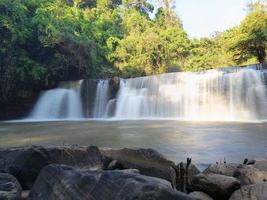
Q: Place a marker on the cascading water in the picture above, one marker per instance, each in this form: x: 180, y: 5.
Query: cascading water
x: 212, y: 95
x: 231, y: 94
x: 59, y: 103
x: 101, y: 99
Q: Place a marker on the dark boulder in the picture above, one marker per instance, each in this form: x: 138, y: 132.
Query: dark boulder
x: 200, y: 196
x: 25, y: 194
x: 251, y: 192
x: 184, y: 175
x: 10, y: 188
x: 134, y: 171
x: 57, y: 182
x: 193, y: 170
x: 26, y: 163
x: 219, y: 187
x: 147, y: 161
x: 114, y: 165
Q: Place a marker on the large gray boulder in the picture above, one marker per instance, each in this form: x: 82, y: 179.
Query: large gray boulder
x: 61, y: 182
x: 147, y: 161
x: 219, y: 187
x: 10, y: 188
x: 26, y: 163
x: 260, y: 164
x: 251, y: 192
x: 227, y: 169
x: 248, y: 174
x: 77, y: 156
x: 193, y: 170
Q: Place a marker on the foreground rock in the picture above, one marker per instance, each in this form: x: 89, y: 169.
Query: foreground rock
x: 63, y: 182
x: 185, y: 172
x: 227, y: 169
x: 200, y: 196
x: 248, y: 174
x: 260, y: 165
x: 217, y: 186
x: 26, y: 163
x: 10, y: 188
x: 251, y: 192
x: 25, y: 194
x: 147, y: 161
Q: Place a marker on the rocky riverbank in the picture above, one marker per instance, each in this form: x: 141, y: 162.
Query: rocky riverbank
x: 78, y: 172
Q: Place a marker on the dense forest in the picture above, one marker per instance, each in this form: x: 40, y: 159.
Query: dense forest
x: 47, y: 41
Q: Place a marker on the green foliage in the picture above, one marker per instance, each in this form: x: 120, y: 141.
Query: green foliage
x: 149, y: 46
x: 47, y: 41
x: 16, y: 62
x: 250, y: 39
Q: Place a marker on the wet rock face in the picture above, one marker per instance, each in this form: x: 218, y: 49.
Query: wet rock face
x: 63, y: 182
x: 26, y: 163
x: 147, y: 161
x: 10, y: 188
x: 217, y: 186
x: 251, y: 192
x: 114, y: 86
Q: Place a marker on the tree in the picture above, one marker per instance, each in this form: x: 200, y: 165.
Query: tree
x: 44, y: 42
x: 250, y: 39
x: 150, y: 46
x: 17, y: 64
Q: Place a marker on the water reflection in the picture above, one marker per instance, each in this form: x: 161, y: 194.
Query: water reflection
x: 205, y: 142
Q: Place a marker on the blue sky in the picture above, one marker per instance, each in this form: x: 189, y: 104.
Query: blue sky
x: 202, y: 17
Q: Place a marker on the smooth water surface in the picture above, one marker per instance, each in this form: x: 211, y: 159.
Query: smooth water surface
x: 205, y: 142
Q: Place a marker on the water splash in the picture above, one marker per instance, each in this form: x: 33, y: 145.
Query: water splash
x: 59, y: 103
x: 215, y: 95
x: 101, y: 99
x: 231, y: 94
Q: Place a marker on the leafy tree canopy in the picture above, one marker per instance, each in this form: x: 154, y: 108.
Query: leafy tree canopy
x: 44, y: 42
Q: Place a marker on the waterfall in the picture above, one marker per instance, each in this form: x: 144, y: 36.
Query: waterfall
x: 230, y: 94
x: 60, y: 103
x: 223, y: 95
x: 101, y: 99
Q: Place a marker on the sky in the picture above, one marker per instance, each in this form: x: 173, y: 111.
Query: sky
x: 201, y: 18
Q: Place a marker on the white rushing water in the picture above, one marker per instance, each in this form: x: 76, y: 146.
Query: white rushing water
x: 231, y: 94
x: 59, y: 103
x: 213, y: 95
x: 101, y: 99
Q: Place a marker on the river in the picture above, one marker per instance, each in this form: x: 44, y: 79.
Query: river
x: 204, y: 142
